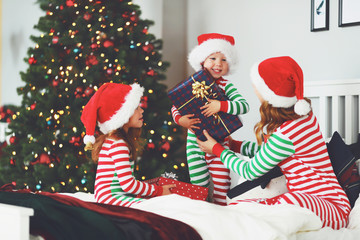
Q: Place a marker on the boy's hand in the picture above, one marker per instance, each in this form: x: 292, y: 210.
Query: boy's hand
x: 211, y: 108
x: 167, y: 188
x: 188, y: 122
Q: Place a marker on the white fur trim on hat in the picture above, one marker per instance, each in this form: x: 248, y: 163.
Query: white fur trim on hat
x: 302, y: 107
x: 122, y: 116
x: 89, y: 139
x: 267, y: 93
x: 199, y: 53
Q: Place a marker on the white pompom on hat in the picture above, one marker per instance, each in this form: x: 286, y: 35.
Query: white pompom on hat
x: 110, y: 108
x: 210, y: 43
x: 279, y: 81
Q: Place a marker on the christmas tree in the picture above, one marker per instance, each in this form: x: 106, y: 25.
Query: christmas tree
x: 84, y: 44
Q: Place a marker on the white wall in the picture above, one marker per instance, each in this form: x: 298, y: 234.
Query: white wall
x: 17, y: 20
x: 264, y: 28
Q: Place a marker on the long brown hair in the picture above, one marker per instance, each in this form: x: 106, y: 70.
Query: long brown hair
x: 272, y: 118
x: 132, y: 139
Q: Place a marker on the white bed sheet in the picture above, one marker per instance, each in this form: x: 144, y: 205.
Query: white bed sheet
x: 249, y: 220
x: 246, y: 221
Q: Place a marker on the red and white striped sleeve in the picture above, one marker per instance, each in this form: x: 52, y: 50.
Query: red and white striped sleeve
x: 175, y: 114
x: 119, y: 152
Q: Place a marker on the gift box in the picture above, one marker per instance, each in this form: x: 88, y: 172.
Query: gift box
x: 182, y: 188
x: 189, y: 95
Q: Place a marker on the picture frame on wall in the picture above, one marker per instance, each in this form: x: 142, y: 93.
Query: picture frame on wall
x: 349, y: 13
x: 319, y: 15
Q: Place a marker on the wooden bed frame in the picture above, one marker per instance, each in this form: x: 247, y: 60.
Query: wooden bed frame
x: 337, y: 107
x: 335, y: 103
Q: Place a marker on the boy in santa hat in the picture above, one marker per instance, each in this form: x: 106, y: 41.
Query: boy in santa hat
x: 115, y: 109
x: 294, y: 143
x: 217, y: 54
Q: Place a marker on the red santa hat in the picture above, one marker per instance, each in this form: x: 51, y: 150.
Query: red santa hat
x: 110, y: 107
x: 279, y: 80
x: 210, y: 43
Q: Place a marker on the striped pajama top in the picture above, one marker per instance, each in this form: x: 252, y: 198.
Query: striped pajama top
x: 115, y: 183
x: 299, y: 149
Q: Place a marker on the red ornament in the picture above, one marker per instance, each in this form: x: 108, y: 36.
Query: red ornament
x: 145, y: 30
x: 125, y: 15
x: 69, y: 3
x: 148, y: 48
x: 151, y: 145
x: 87, y: 16
x: 91, y: 60
x: 134, y: 18
x: 79, y: 89
x: 89, y: 91
x: 12, y: 140
x: 42, y: 159
x: 55, y: 83
x: 12, y: 161
x: 93, y: 46
x: 75, y: 141
x: 165, y: 146
x: 32, y: 60
x: 55, y: 40
x: 109, y: 71
x: 108, y: 43
x: 33, y: 106
x: 151, y: 72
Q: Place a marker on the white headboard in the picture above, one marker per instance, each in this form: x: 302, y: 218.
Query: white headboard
x: 337, y: 107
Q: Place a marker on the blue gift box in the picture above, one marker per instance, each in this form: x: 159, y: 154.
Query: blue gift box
x: 189, y: 95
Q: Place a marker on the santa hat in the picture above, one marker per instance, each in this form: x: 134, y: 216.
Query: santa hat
x: 279, y: 80
x: 110, y: 107
x: 210, y: 43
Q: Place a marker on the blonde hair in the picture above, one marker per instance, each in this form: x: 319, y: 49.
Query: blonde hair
x: 271, y: 118
x: 132, y: 139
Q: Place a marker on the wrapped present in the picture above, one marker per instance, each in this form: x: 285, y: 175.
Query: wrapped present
x: 182, y: 188
x: 194, y: 92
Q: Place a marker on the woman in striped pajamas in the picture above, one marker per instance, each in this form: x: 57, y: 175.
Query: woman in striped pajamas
x: 294, y: 143
x: 216, y: 53
x: 115, y: 107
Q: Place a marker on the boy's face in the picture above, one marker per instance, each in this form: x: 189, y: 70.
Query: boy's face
x: 217, y: 65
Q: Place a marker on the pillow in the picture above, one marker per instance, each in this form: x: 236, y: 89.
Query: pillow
x: 270, y: 185
x: 345, y: 169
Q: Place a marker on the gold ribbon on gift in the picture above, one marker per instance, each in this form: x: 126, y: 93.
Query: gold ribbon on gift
x: 201, y: 90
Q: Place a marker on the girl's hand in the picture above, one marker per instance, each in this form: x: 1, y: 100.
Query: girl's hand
x: 187, y: 121
x: 206, y: 146
x: 211, y: 108
x: 167, y: 188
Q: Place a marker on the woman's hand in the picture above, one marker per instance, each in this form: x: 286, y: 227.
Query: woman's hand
x: 167, y: 188
x: 187, y: 121
x: 211, y: 108
x: 206, y: 146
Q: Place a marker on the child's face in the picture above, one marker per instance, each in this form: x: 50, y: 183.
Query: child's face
x: 136, y: 120
x: 217, y: 65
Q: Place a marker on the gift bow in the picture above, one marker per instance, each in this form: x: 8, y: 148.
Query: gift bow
x: 200, y: 90
x: 170, y: 175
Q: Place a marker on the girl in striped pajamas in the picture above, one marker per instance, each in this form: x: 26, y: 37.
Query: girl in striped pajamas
x: 217, y: 54
x: 294, y: 142
x: 115, y: 107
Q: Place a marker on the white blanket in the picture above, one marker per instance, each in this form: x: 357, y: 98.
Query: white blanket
x: 248, y: 220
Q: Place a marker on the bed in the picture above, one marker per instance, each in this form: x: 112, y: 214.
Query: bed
x: 336, y: 104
